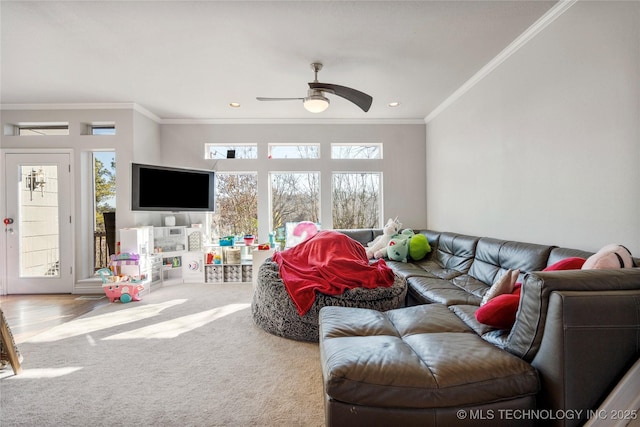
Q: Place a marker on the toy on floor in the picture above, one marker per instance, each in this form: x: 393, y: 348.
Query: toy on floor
x: 123, y: 288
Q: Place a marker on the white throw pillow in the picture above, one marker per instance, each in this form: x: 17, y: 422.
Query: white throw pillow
x: 504, y: 285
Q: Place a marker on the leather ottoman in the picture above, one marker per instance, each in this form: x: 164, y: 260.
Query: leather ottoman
x: 379, y: 368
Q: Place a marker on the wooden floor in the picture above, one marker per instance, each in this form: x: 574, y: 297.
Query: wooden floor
x: 28, y: 315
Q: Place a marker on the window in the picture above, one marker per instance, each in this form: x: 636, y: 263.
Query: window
x: 294, y: 151
x: 356, y: 151
x: 104, y: 192
x: 294, y: 192
x: 225, y: 151
x: 38, y: 129
x: 236, y: 204
x: 295, y: 197
x: 356, y: 200
x: 102, y: 130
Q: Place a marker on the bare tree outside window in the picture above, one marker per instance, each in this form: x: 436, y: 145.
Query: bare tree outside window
x: 356, y: 200
x: 294, y: 151
x: 236, y: 204
x: 295, y: 196
x: 356, y: 151
x: 356, y: 197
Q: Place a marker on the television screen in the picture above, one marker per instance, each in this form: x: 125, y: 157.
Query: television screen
x: 161, y: 188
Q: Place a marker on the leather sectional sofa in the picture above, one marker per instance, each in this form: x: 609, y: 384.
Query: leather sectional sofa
x: 432, y: 363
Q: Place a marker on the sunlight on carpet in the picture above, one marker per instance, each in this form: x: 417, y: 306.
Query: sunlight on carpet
x: 104, y: 321
x: 29, y: 374
x: 189, y: 355
x: 176, y: 327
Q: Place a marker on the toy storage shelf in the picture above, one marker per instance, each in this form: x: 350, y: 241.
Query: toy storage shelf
x: 228, y: 264
x: 171, y: 267
x: 170, y: 243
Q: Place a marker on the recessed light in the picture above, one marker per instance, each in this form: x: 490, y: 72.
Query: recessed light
x: 394, y: 104
x: 234, y: 104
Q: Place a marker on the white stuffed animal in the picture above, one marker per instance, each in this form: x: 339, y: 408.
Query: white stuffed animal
x: 377, y: 248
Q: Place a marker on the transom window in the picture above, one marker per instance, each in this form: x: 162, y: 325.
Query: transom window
x: 102, y: 130
x: 356, y: 151
x: 228, y: 151
x: 39, y: 129
x: 294, y: 151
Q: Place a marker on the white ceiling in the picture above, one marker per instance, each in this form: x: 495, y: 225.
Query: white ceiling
x: 189, y: 60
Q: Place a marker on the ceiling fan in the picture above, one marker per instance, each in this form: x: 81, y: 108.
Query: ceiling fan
x: 316, y: 102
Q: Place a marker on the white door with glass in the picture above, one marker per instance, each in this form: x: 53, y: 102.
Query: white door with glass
x: 37, y: 222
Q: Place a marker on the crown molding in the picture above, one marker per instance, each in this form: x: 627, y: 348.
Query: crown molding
x: 84, y: 106
x: 291, y: 121
x: 543, y: 22
x: 74, y: 106
x: 140, y: 109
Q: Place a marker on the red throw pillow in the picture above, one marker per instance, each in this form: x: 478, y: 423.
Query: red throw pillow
x: 500, y: 312
x: 573, y: 263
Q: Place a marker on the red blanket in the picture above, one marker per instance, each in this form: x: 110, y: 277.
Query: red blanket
x: 329, y: 262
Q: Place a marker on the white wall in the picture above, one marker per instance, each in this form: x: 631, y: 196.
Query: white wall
x: 546, y: 148
x: 146, y: 149
x: 402, y: 167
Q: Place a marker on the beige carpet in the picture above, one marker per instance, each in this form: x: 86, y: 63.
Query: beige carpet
x: 186, y: 355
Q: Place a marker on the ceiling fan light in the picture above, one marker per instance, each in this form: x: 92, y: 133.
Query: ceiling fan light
x: 316, y: 103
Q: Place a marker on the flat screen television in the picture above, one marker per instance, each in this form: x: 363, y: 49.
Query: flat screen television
x: 162, y: 188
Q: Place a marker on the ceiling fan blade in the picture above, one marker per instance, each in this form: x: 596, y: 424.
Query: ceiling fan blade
x: 361, y: 99
x: 261, y: 98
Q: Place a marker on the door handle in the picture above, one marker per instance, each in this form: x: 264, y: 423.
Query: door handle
x: 8, y: 221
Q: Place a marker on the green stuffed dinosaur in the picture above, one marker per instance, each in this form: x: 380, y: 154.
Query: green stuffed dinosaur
x: 408, y: 245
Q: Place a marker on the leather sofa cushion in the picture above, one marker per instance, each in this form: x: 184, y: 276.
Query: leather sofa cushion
x: 410, y: 269
x: 404, y: 358
x: 434, y: 268
x: 432, y: 236
x: 455, y: 251
x: 435, y: 290
x: 494, y: 256
x: 466, y: 313
x: 558, y: 254
x: 425, y: 268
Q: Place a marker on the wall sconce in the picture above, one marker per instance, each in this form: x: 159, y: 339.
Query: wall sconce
x: 35, y: 180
